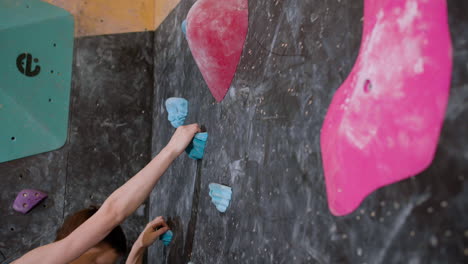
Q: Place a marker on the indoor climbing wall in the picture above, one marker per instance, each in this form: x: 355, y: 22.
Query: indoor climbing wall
x: 265, y: 144
x: 109, y: 129
x: 108, y: 142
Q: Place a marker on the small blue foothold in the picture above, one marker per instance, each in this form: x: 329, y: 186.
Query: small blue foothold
x: 184, y: 27
x: 220, y: 196
x: 177, y: 110
x: 166, y: 238
x: 196, y: 148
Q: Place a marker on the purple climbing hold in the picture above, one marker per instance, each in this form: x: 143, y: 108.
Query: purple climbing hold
x: 27, y: 200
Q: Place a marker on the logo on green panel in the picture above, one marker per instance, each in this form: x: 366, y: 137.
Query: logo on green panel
x: 24, y: 62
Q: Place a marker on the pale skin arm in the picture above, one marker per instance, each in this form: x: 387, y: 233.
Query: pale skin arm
x: 118, y: 206
x: 152, y: 231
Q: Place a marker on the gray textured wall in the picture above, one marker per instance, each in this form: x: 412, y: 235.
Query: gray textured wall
x: 264, y: 142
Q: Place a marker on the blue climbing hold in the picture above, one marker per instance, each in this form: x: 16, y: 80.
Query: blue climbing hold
x: 196, y: 148
x: 177, y: 110
x: 220, y: 196
x: 184, y: 27
x: 166, y: 238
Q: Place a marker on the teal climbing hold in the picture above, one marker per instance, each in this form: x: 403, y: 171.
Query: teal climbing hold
x: 196, y: 148
x: 177, y: 110
x: 166, y: 238
x: 36, y: 52
x: 184, y: 27
x: 220, y: 196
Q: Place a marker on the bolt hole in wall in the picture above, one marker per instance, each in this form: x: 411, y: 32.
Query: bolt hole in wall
x: 13, y: 138
x: 12, y: 229
x: 367, y: 86
x: 26, y: 194
x: 50, y: 100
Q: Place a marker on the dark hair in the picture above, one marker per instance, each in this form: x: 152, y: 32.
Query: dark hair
x: 116, y: 238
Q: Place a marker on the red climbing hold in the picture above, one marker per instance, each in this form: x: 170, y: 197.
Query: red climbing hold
x: 216, y: 32
x: 384, y: 121
x: 27, y: 200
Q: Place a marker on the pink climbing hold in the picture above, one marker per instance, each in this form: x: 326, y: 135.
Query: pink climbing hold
x: 27, y: 199
x: 384, y: 122
x: 216, y: 32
